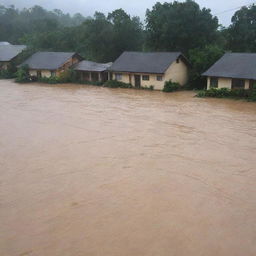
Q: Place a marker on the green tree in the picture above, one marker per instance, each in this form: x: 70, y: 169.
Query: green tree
x: 180, y: 26
x: 202, y: 59
x: 242, y: 31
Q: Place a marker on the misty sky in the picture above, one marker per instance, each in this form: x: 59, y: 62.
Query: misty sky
x: 133, y: 7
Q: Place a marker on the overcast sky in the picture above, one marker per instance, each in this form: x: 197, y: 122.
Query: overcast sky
x: 133, y: 7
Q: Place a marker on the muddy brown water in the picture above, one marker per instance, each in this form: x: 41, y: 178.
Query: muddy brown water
x: 95, y: 171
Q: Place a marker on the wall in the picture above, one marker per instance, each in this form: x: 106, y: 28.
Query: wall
x: 45, y: 73
x: 226, y: 83
x: 177, y: 72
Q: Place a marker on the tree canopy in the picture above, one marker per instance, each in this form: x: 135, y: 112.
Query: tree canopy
x: 174, y: 26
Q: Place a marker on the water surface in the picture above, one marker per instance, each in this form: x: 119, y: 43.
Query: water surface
x: 94, y: 171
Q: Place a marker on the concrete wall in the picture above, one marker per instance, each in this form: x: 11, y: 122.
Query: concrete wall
x: 226, y: 83
x: 177, y: 72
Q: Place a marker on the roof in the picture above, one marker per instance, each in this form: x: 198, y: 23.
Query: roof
x: 8, y: 52
x: 4, y: 43
x: 145, y: 62
x: 234, y: 65
x: 48, y: 60
x: 92, y: 66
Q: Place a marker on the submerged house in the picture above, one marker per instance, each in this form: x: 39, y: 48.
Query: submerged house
x: 47, y: 64
x: 92, y: 71
x: 233, y: 71
x: 144, y: 69
x: 9, y: 53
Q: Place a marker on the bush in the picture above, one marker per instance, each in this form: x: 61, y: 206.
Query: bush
x: 252, y: 96
x: 49, y: 80
x: 117, y: 84
x: 9, y: 72
x: 97, y: 83
x: 150, y: 88
x: 169, y: 86
x: 22, y: 75
x: 227, y: 93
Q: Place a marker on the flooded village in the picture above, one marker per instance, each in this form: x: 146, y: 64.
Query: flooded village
x: 137, y: 152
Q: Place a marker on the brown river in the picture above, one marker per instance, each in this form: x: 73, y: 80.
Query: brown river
x: 93, y: 171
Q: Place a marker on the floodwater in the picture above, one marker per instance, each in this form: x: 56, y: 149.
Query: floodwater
x: 114, y: 172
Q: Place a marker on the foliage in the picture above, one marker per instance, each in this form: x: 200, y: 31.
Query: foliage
x: 180, y: 26
x: 227, y: 93
x: 201, y: 60
x: 116, y: 84
x: 150, y: 88
x: 169, y: 86
x: 22, y: 75
x: 8, y: 73
x: 241, y: 33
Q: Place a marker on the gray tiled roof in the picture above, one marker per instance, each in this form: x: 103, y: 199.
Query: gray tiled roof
x: 234, y: 65
x: 91, y: 66
x: 8, y: 52
x: 48, y: 60
x: 145, y: 62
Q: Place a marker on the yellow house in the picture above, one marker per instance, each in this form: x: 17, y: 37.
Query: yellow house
x: 47, y: 64
x: 9, y: 53
x: 233, y: 71
x: 145, y: 69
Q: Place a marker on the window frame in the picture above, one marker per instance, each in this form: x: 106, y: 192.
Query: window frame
x: 118, y: 76
x: 235, y: 83
x: 145, y: 77
x: 159, y: 78
x: 212, y: 80
x: 53, y: 73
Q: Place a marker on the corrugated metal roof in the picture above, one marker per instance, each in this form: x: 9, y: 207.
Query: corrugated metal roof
x: 234, y: 65
x: 91, y: 66
x: 48, y: 60
x: 145, y: 62
x: 8, y: 52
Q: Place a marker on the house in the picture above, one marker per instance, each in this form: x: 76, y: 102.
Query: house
x: 143, y: 69
x: 4, y: 43
x: 92, y: 71
x: 233, y: 71
x: 47, y: 64
x: 9, y: 53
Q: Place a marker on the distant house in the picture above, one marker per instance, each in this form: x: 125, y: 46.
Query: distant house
x: 4, y: 43
x: 47, y: 64
x: 92, y: 71
x: 143, y: 69
x: 233, y: 71
x: 8, y: 54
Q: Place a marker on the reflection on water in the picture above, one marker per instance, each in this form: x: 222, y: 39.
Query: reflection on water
x: 94, y: 171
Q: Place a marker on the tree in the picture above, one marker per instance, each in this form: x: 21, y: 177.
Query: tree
x: 128, y: 32
x: 180, y: 26
x: 202, y: 59
x: 242, y: 31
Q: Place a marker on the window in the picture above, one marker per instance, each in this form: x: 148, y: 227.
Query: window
x: 145, y: 78
x: 53, y: 73
x: 159, y: 78
x: 214, y: 82
x: 238, y: 83
x: 118, y: 77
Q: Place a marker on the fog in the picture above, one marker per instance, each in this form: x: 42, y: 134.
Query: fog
x: 223, y: 9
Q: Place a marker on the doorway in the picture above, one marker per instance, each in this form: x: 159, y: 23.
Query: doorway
x: 137, y: 81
